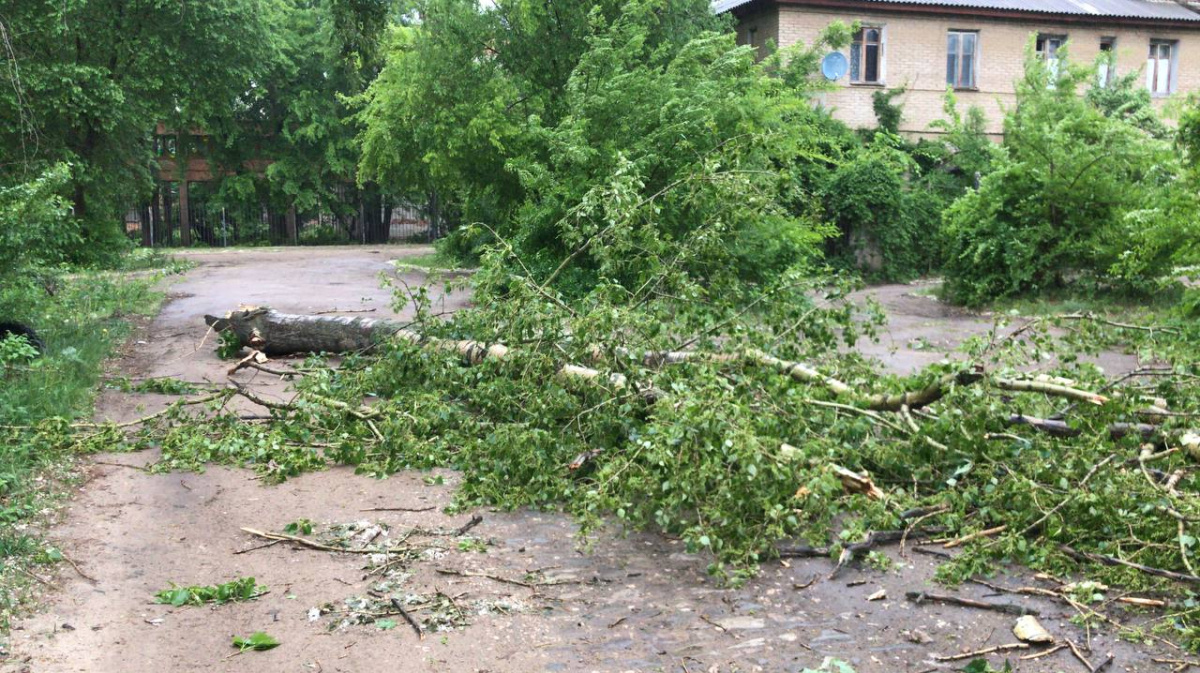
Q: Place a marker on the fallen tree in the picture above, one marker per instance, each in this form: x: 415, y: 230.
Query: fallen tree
x: 750, y: 445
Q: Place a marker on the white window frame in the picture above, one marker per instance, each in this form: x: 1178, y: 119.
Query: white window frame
x: 859, y: 41
x: 957, y: 82
x: 1048, y: 45
x: 1107, y: 71
x: 1162, y: 83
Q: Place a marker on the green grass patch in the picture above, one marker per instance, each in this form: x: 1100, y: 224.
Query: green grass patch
x: 82, y: 317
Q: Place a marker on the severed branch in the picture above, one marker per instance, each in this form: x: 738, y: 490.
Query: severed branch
x: 919, y: 597
x: 1114, y: 561
x: 408, y: 618
x: 986, y: 650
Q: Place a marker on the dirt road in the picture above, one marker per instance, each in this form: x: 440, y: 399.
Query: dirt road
x: 534, y: 600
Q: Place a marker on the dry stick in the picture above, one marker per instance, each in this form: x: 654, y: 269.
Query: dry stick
x: 408, y: 618
x: 272, y: 543
x: 919, y: 597
x: 1182, y: 664
x: 349, y: 310
x: 310, y: 544
x: 1044, y: 653
x: 145, y: 419
x: 475, y: 521
x: 1114, y: 561
x: 1111, y: 323
x: 1079, y: 655
x: 986, y: 650
x: 498, y: 578
x: 974, y: 536
x: 1052, y: 389
x: 920, y: 515
x: 398, y: 509
x: 76, y: 567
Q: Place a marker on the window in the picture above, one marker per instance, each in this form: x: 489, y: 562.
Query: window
x: 1160, y: 67
x: 1047, y: 50
x: 1107, y: 68
x: 752, y: 36
x: 866, y: 56
x: 962, y: 54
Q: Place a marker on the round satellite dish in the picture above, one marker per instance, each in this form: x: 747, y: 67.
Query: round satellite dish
x: 834, y: 66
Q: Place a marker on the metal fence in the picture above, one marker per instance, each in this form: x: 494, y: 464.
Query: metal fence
x: 349, y: 219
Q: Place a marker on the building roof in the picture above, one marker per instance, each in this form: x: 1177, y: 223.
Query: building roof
x: 1153, y: 10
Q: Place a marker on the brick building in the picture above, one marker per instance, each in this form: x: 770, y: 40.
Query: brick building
x: 977, y: 47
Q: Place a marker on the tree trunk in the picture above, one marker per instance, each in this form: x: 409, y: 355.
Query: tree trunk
x: 185, y: 217
x: 277, y: 333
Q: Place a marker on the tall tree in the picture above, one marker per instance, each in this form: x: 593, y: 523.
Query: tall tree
x: 88, y: 80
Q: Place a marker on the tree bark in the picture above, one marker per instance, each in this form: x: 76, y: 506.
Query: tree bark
x: 277, y: 333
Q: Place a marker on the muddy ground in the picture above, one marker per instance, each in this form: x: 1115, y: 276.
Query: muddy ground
x: 632, y: 603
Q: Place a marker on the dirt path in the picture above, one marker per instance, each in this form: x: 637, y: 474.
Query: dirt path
x: 636, y: 603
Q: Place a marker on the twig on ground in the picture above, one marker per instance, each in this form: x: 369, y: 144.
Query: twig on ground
x: 498, y: 578
x: 986, y: 650
x: 1114, y: 561
x: 919, y: 597
x: 398, y: 509
x: 310, y: 544
x: 1044, y: 653
x: 272, y: 543
x: 475, y: 521
x: 76, y: 567
x: 1079, y: 655
x: 408, y: 618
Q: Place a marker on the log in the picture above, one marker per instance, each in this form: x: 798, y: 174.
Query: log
x: 275, y: 333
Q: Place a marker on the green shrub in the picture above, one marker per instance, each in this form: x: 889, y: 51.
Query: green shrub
x: 1077, y: 197
x: 886, y: 227
x: 36, y: 227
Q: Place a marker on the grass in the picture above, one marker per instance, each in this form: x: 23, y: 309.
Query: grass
x: 85, y: 317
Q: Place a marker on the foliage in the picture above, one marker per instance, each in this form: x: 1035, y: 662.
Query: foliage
x: 35, y: 225
x: 982, y: 666
x: 1076, y: 195
x: 884, y: 223
x: 1127, y: 98
x: 241, y: 589
x: 228, y: 346
x: 90, y: 79
x: 81, y: 322
x: 256, y: 642
x: 15, y: 352
x: 515, y: 112
x: 299, y: 527
x: 888, y: 115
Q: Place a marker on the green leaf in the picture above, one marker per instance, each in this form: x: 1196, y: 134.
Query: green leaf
x: 257, y: 641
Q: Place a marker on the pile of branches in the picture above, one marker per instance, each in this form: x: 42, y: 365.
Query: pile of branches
x: 750, y: 427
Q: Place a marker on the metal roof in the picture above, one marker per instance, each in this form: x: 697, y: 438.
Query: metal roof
x: 1160, y: 10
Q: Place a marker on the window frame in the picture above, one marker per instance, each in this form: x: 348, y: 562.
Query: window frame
x: 1108, y: 45
x: 859, y: 42
x: 1060, y: 39
x: 1172, y: 66
x: 957, y: 84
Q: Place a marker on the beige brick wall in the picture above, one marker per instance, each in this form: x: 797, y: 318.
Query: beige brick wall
x: 915, y: 57
x: 765, y: 27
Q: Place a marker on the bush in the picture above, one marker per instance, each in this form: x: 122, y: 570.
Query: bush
x: 36, y: 227
x: 886, y: 227
x: 1077, y: 197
